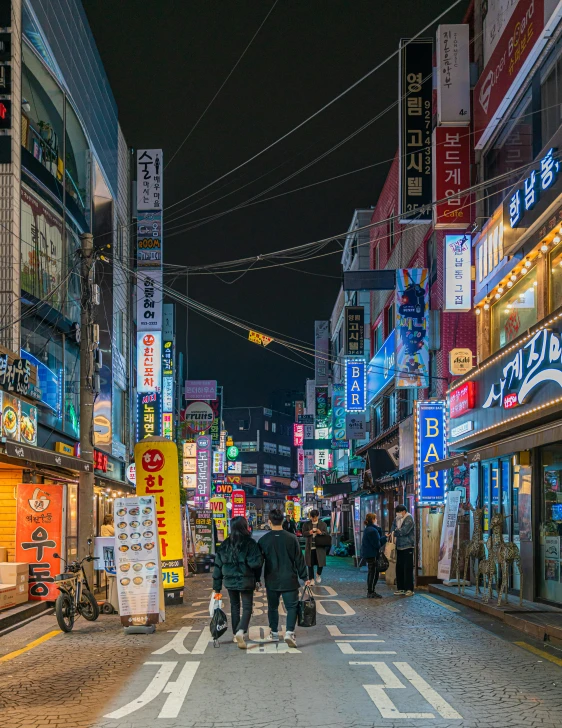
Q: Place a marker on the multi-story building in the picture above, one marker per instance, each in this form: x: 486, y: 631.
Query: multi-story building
x: 64, y: 171
x: 266, y: 462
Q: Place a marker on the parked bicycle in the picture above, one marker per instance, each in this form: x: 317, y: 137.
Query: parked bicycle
x: 75, y: 596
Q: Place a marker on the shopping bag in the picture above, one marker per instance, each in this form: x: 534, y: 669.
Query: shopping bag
x: 213, y: 604
x: 306, y: 615
x: 382, y: 562
x: 390, y: 550
x: 218, y: 625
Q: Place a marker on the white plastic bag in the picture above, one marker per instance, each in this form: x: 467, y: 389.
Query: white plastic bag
x: 214, y: 604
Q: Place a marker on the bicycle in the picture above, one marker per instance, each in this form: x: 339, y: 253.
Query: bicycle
x: 75, y: 596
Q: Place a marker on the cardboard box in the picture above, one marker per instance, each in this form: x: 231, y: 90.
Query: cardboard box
x: 16, y: 574
x: 8, y: 594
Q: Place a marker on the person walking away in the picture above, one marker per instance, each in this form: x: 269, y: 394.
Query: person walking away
x: 371, y: 543
x: 403, y: 531
x: 289, y: 524
x: 314, y: 556
x: 238, y: 563
x: 284, y: 565
x: 107, y: 528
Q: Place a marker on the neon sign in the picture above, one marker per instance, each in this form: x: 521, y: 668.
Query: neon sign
x: 526, y: 197
x: 355, y: 385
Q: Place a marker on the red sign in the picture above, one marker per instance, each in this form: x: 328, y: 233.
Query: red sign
x: 451, y: 175
x: 510, y: 401
x: 153, y: 461
x: 100, y: 461
x: 300, y: 461
x: 238, y: 503
x: 298, y: 435
x: 462, y: 399
x: 39, y: 536
x: 522, y: 31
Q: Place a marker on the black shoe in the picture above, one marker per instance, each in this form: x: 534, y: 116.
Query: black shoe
x: 370, y: 596
x: 376, y: 596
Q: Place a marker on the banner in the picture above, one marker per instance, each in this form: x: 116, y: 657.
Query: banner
x: 149, y: 240
x: 157, y: 474
x: 321, y: 406
x: 415, y: 91
x: 149, y: 415
x: 321, y: 351
x: 137, y: 562
x: 261, y: 339
x: 448, y: 535
x: 203, y: 532
x: 298, y: 434
x: 149, y: 361
x: 39, y: 536
x: 356, y: 426
x: 238, y: 503
x: 412, y: 311
x: 204, y: 466
x: 354, y: 331
x: 382, y: 368
x: 300, y: 461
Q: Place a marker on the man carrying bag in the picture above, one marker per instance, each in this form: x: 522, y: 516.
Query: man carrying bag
x: 284, y: 564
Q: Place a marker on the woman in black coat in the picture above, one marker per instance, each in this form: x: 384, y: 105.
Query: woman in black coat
x: 372, y: 542
x: 238, y: 564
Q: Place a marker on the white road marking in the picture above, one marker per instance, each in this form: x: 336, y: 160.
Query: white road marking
x: 354, y: 642
x: 335, y: 632
x: 321, y: 609
x: 202, y: 642
x: 377, y: 693
x: 348, y: 649
x: 272, y: 648
x: 329, y: 591
x: 257, y: 633
x: 176, y: 643
x: 178, y: 690
x: 152, y: 691
x: 432, y: 696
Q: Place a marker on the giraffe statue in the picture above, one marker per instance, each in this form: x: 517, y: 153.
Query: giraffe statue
x: 503, y: 554
x: 474, y: 549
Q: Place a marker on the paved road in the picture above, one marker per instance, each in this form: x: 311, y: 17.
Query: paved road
x: 391, y: 662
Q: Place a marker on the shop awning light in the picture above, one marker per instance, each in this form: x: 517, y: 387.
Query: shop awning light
x: 513, y: 277
x: 527, y: 263
x: 509, y: 284
x: 477, y: 311
x: 501, y: 290
x: 556, y: 239
x: 523, y: 271
x: 544, y: 248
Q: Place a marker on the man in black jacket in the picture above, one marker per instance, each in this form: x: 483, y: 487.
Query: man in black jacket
x: 284, y: 564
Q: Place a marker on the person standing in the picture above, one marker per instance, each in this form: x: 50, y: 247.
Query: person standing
x: 314, y: 555
x: 371, y: 544
x: 238, y: 563
x: 107, y: 528
x: 289, y: 524
x: 403, y: 531
x: 284, y: 565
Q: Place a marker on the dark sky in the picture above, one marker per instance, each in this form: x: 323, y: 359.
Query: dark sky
x: 165, y: 61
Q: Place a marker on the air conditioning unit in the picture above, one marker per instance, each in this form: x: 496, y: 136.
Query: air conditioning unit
x: 96, y: 333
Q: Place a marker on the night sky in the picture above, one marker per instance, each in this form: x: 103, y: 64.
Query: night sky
x: 166, y: 60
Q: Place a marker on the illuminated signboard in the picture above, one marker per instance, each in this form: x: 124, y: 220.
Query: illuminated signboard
x: 430, y: 446
x: 355, y: 385
x: 458, y: 273
x: 298, y: 435
x: 149, y: 415
x: 203, y: 489
x: 167, y: 425
x: 462, y: 399
x: 149, y: 361
x: 526, y: 197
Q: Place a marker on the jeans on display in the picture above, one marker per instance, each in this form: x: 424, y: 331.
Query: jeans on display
x: 291, y: 602
x: 372, y: 576
x: 247, y: 598
x: 405, y: 569
x: 314, y: 562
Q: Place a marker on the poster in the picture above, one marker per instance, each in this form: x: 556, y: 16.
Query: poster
x: 412, y: 311
x: 39, y: 536
x: 137, y: 562
x: 552, y: 547
x: 11, y: 415
x: 158, y: 475
x: 203, y: 532
x: 445, y: 561
x: 28, y: 423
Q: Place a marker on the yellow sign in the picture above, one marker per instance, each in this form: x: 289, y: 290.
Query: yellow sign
x: 156, y: 460
x: 63, y: 448
x: 260, y: 339
x: 218, y: 506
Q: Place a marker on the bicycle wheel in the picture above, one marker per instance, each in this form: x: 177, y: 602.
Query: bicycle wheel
x: 88, y: 606
x: 64, y: 612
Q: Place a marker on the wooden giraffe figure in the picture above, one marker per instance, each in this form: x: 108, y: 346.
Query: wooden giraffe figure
x: 503, y: 554
x: 474, y: 549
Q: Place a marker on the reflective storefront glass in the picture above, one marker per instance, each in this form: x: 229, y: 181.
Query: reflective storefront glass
x: 515, y: 312
x: 550, y: 528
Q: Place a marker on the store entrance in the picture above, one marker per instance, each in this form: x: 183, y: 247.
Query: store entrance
x: 550, y: 529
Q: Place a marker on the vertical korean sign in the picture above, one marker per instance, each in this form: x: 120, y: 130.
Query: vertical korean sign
x: 238, y: 503
x: 39, y: 536
x: 430, y: 445
x: 204, y: 466
x: 354, y: 330
x: 157, y: 474
x: 415, y: 92
x: 451, y: 175
x: 338, y: 412
x: 458, y: 278
x: 453, y: 69
x: 321, y: 350
x: 412, y: 311
x: 321, y: 406
x: 137, y: 562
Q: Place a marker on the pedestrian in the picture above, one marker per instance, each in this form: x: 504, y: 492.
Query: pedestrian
x: 289, y: 524
x: 373, y: 540
x: 403, y: 532
x: 314, y: 555
x: 284, y: 565
x: 238, y: 563
x: 107, y: 528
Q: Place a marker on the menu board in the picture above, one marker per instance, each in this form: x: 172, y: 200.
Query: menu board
x: 139, y: 576
x: 28, y: 423
x: 11, y: 414
x: 203, y: 532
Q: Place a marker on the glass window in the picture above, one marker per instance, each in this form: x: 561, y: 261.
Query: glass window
x: 266, y: 425
x: 284, y: 471
x: 551, y: 96
x: 270, y: 469
x: 72, y: 388
x: 270, y: 447
x: 555, y: 295
x: 243, y: 424
x: 391, y: 231
x: 486, y: 495
x: 506, y: 494
x: 389, y: 319
x: 249, y: 468
x: 119, y: 414
x: 515, y: 312
x: 550, y: 586
x: 495, y: 481
x: 284, y: 450
x: 378, y: 338
x: 273, y: 427
x: 247, y: 446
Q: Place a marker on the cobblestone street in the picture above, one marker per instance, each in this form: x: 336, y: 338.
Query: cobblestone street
x: 391, y: 662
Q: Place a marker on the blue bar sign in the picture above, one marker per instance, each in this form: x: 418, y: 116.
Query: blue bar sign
x: 355, y: 385
x: 431, y: 445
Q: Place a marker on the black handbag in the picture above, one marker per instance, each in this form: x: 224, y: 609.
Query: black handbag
x: 382, y: 562
x: 322, y: 540
x: 306, y: 614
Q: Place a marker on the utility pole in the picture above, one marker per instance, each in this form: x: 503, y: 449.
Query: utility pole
x: 86, y: 479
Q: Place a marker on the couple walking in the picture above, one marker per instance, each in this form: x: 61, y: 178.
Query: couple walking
x: 239, y: 562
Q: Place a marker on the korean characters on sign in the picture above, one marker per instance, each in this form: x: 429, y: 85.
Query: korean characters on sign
x: 149, y: 300
x: 238, y: 503
x: 158, y: 476
x: 321, y: 351
x: 451, y: 177
x: 458, y: 278
x: 526, y: 197
x: 453, y: 69
x: 203, y: 488
x: 149, y: 361
x: 149, y: 179
x: 354, y: 330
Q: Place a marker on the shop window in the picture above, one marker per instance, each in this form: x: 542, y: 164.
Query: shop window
x: 389, y: 315
x: 515, y: 312
x: 486, y: 496
x: 495, y: 482
x: 550, y: 586
x: 243, y: 424
x: 506, y: 494
x: 555, y: 288
x: 551, y: 95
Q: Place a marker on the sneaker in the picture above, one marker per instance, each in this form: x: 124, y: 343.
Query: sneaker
x: 409, y: 593
x: 273, y: 637
x: 234, y: 639
x: 290, y: 639
x: 318, y: 579
x: 239, y: 639
x: 399, y: 592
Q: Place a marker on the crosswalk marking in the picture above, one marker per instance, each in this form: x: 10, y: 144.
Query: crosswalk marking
x: 424, y: 688
x: 335, y: 632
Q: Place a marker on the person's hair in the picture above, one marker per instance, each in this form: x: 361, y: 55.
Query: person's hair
x: 276, y: 516
x: 401, y: 509
x: 314, y: 513
x: 370, y: 519
x: 107, y: 519
x: 239, y: 530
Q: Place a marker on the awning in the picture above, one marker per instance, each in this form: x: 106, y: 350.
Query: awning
x: 396, y: 475
x: 46, y: 457
x: 523, y: 441
x: 339, y: 488
x: 380, y: 462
